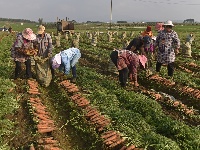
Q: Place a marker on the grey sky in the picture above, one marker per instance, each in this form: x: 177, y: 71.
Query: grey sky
x: 100, y: 10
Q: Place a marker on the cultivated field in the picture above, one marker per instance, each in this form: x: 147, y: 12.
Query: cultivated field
x: 96, y: 113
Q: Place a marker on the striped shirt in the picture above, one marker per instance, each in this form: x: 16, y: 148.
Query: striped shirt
x: 44, y: 45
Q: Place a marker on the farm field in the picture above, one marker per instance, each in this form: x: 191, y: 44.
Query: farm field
x: 96, y: 113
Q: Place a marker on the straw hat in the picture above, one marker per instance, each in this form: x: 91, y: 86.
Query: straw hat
x: 28, y: 34
x: 168, y: 23
x: 41, y: 29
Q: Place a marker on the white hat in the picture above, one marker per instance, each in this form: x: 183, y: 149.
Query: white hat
x: 168, y: 23
x: 56, y: 61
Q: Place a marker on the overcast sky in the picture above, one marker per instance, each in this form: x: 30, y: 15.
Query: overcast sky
x: 100, y: 10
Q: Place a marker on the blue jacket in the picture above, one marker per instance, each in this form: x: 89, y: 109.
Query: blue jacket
x: 69, y: 58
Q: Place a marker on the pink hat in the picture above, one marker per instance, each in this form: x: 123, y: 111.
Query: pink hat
x: 56, y: 61
x: 28, y: 34
x: 143, y: 60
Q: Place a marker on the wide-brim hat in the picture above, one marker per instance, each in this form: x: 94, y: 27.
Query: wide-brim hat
x: 168, y: 23
x: 28, y: 34
x: 41, y: 29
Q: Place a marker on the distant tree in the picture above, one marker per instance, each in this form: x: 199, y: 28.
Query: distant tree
x: 40, y: 20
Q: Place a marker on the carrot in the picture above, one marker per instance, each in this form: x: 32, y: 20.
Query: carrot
x: 103, y: 122
x: 75, y: 89
x: 92, y: 110
x: 132, y: 147
x: 33, y: 89
x: 43, y: 117
x: 94, y: 116
x: 83, y: 104
x: 107, y: 135
x: 111, y: 138
x: 50, y: 141
x: 117, y: 143
x: 35, y: 93
x: 76, y: 96
x: 45, y: 130
x: 99, y: 118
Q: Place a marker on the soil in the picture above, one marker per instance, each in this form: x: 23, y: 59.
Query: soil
x: 60, y: 109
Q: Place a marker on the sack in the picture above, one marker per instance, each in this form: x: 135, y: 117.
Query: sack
x: 43, y: 71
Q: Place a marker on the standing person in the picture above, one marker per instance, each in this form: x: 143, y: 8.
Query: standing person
x: 168, y: 45
x: 149, y: 51
x: 43, y: 42
x: 66, y: 60
x: 128, y: 61
x: 23, y: 41
x: 148, y: 32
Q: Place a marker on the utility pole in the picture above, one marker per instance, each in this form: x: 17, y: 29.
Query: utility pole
x: 110, y: 14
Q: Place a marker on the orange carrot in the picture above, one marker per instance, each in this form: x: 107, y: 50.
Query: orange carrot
x: 45, y: 130
x: 132, y: 147
x: 111, y: 138
x: 107, y: 135
x: 117, y: 143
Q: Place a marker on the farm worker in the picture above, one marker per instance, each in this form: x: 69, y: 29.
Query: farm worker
x: 187, y: 47
x: 128, y: 61
x: 23, y: 41
x: 168, y: 45
x: 149, y: 52
x: 148, y: 32
x: 43, y: 67
x: 66, y: 60
x: 44, y: 42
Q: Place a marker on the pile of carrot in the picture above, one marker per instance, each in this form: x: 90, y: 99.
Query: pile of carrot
x: 185, y: 89
x: 111, y: 139
x: 48, y: 143
x: 191, y: 91
x: 162, y: 80
x: 44, y: 122
x: 174, y: 103
x: 70, y: 87
x: 94, y: 117
x: 33, y: 87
